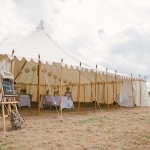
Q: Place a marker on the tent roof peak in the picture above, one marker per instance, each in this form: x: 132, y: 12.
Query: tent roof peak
x: 40, y: 25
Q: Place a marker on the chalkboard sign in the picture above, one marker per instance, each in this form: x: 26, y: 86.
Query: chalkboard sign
x: 7, y: 87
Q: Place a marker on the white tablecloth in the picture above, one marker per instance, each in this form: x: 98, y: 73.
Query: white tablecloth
x: 24, y: 100
x: 56, y: 99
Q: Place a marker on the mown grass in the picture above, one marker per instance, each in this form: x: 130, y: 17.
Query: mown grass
x: 126, y: 128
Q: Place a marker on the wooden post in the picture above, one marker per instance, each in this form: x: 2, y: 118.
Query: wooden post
x: 116, y: 89
x: 91, y: 93
x: 3, y: 114
x: 38, y: 73
x: 98, y: 93
x: 140, y: 91
x: 11, y: 69
x: 95, y: 90
x: 132, y: 91
x: 45, y: 88
x: 4, y: 65
x: 71, y: 87
x: 29, y: 87
x: 79, y: 85
x: 60, y: 104
x: 106, y: 90
x: 84, y: 92
x: 113, y: 91
x: 11, y: 62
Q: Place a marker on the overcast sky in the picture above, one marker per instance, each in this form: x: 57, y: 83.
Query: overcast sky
x: 118, y: 30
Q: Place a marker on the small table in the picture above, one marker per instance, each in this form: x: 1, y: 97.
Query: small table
x: 24, y: 100
x: 55, y: 99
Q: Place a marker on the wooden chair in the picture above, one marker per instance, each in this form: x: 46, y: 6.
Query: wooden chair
x: 46, y: 103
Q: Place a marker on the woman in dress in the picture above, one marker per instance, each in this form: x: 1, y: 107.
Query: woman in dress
x: 69, y: 95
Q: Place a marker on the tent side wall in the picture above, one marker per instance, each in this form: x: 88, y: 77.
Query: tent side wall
x: 125, y: 98
x: 70, y: 74
x: 141, y: 93
x: 145, y: 97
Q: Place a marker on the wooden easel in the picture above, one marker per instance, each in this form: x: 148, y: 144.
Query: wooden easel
x: 6, y: 102
x: 7, y: 99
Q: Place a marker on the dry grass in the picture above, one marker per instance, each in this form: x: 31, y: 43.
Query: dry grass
x: 124, y: 129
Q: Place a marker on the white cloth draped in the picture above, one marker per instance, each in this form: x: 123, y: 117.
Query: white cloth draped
x: 70, y: 102
x: 56, y: 99
x: 24, y: 100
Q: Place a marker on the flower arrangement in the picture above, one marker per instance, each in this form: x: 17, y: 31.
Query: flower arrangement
x: 23, y: 91
x: 47, y: 92
x: 55, y: 93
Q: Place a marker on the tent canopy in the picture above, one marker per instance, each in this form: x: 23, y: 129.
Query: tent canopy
x: 50, y: 51
x: 41, y: 43
x: 25, y: 60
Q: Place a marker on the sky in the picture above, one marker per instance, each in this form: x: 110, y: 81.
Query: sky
x: 114, y: 34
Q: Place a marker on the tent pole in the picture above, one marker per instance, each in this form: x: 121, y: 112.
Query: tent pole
x: 95, y: 90
x: 98, y: 92
x: 77, y: 94
x: 39, y: 68
x: 132, y: 91
x: 4, y: 65
x: 45, y: 89
x: 71, y: 87
x: 140, y: 91
x: 113, y: 91
x: 106, y: 90
x: 29, y: 88
x: 11, y: 62
x: 107, y: 95
x: 91, y: 93
x: 84, y: 92
x: 116, y: 89
x: 79, y: 85
x: 11, y: 68
x: 60, y: 104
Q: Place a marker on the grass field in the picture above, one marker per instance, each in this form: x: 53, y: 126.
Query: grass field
x: 122, y: 129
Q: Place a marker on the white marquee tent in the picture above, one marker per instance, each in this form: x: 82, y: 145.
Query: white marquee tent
x: 109, y: 84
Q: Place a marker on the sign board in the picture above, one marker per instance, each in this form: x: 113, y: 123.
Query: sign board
x: 7, y: 87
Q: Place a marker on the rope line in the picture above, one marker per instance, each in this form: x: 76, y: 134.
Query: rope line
x: 67, y: 53
x: 94, y: 96
x: 70, y: 38
x: 24, y: 42
x: 4, y: 62
x: 49, y: 87
x: 88, y: 48
x: 18, y: 32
